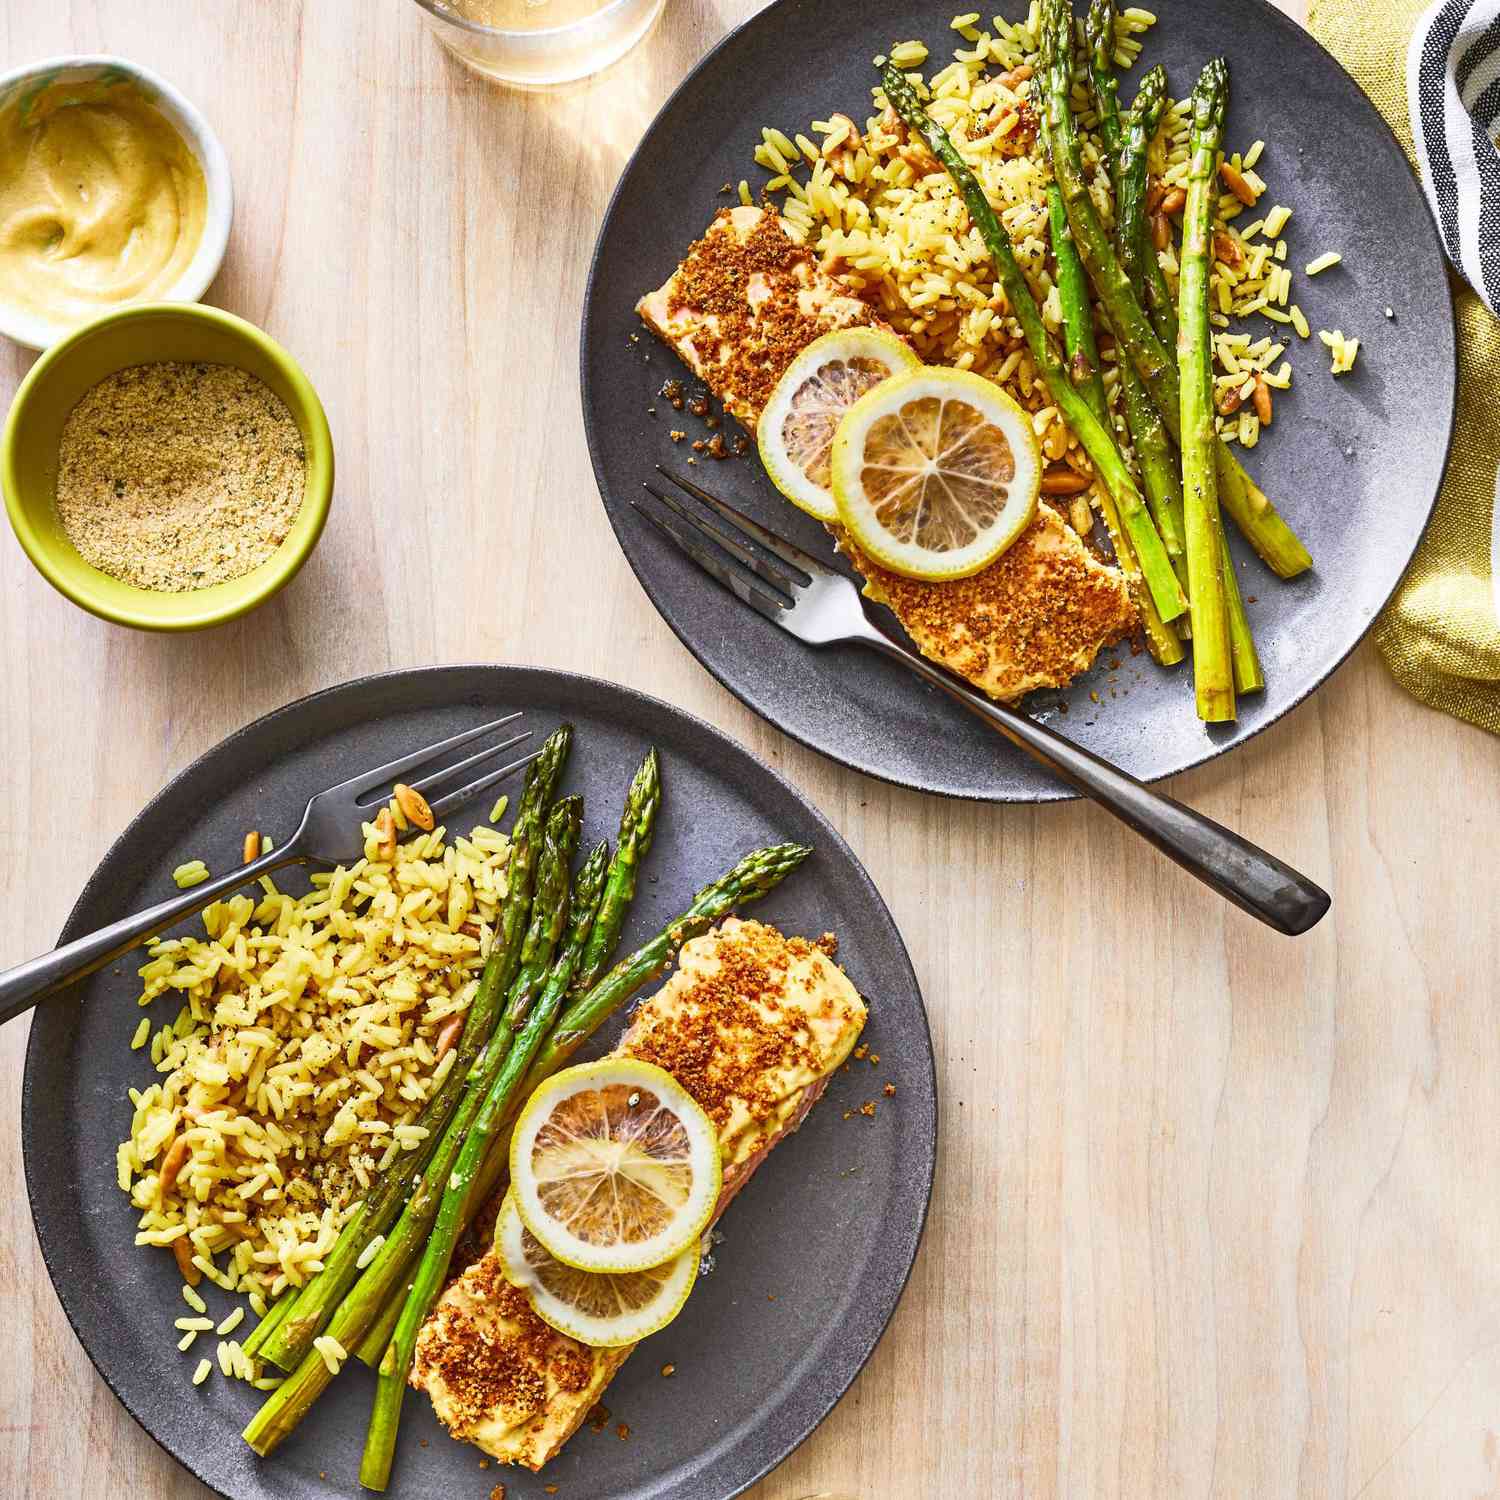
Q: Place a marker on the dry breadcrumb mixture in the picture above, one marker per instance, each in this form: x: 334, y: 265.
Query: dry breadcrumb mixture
x: 177, y: 476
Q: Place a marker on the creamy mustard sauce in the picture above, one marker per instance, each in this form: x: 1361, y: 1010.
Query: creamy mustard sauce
x: 102, y: 202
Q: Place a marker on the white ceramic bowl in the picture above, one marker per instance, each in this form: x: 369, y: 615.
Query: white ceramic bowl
x: 37, y: 333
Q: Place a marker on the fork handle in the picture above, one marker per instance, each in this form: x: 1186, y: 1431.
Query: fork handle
x: 1255, y: 881
x: 22, y: 986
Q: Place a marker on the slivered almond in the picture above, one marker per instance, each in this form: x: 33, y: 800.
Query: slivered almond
x: 252, y: 846
x: 1174, y: 202
x: 1229, y: 402
x: 1064, y: 481
x: 182, y: 1253
x: 1262, y: 401
x: 1161, y: 231
x: 385, y: 832
x: 414, y: 806
x: 1156, y: 190
x: 1237, y: 184
x: 1015, y: 76
x: 448, y: 1036
x: 173, y: 1162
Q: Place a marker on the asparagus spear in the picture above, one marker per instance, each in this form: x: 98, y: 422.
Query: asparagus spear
x: 1249, y: 676
x: 1162, y: 476
x: 289, y: 1403
x: 1079, y: 341
x: 1213, y: 671
x: 1145, y: 558
x: 370, y: 1349
x: 1253, y: 512
x: 1097, y: 439
x: 1152, y: 447
x: 1141, y: 125
x: 1147, y: 430
x: 289, y: 1339
x: 453, y: 1212
x: 275, y: 1316
x: 637, y: 828
x: 1083, y: 358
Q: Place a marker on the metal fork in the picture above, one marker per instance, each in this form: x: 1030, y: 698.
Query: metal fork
x: 809, y: 600
x: 328, y: 834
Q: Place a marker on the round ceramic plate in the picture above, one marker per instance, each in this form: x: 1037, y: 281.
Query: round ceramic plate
x: 829, y: 1227
x: 1354, y: 463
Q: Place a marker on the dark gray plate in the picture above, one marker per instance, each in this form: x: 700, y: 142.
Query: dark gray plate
x: 830, y: 1227
x: 1353, y: 463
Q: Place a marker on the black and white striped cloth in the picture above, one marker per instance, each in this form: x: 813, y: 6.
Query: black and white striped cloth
x: 1453, y: 86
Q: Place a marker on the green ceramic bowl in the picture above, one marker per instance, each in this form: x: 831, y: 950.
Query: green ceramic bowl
x: 59, y: 379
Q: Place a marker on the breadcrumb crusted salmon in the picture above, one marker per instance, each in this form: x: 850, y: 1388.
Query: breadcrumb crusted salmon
x: 745, y: 301
x: 1035, y: 618
x: 752, y: 1024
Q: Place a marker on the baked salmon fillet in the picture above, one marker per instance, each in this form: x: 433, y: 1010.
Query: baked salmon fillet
x: 745, y: 301
x: 752, y: 1024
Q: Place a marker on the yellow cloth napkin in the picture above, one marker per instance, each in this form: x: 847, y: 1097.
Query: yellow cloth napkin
x: 1440, y: 635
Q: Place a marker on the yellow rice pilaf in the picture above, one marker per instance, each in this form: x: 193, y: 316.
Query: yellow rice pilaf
x: 305, y: 1046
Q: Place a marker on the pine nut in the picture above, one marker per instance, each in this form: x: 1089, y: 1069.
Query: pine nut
x: 385, y: 832
x: 448, y: 1036
x: 182, y: 1253
x: 1237, y: 184
x: 1262, y: 401
x: 252, y: 846
x: 173, y: 1162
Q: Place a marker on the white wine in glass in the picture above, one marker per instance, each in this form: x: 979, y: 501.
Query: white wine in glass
x: 539, y: 43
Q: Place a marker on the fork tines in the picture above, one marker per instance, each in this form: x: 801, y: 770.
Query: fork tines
x: 455, y: 799
x: 757, y: 549
x: 412, y: 764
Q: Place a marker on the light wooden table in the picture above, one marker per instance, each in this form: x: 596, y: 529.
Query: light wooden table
x: 1218, y: 1213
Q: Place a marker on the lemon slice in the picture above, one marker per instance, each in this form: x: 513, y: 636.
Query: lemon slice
x: 598, y: 1308
x: 936, y: 473
x: 795, y: 433
x: 614, y: 1166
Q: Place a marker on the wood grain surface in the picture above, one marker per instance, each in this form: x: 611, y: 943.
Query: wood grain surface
x: 1217, y: 1212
